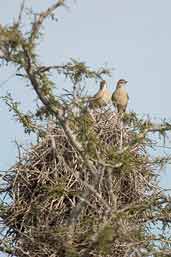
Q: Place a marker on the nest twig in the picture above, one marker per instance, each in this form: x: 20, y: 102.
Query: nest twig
x: 59, y: 208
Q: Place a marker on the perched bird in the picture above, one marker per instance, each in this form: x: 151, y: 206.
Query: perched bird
x: 101, y: 98
x: 120, y: 96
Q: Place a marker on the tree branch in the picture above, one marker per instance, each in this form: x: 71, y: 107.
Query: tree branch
x: 41, y: 17
x: 59, y: 112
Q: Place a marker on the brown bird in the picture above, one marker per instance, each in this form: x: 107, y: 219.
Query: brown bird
x: 120, y: 96
x: 101, y: 98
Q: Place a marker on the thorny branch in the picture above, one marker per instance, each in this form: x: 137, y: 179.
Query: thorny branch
x: 59, y: 112
x: 73, y: 67
x: 153, y: 128
x: 20, y: 13
x: 41, y: 17
x: 63, y: 205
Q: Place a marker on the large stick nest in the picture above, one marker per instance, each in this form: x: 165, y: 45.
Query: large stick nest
x: 63, y: 206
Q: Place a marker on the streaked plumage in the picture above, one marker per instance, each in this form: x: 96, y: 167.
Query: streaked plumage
x: 101, y: 98
x: 120, y: 96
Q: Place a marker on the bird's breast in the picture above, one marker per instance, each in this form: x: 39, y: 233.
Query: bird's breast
x: 120, y: 96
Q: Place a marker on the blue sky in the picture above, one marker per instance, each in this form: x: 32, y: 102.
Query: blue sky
x: 133, y: 37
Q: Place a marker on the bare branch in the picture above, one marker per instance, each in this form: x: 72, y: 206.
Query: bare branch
x: 41, y: 17
x: 20, y: 13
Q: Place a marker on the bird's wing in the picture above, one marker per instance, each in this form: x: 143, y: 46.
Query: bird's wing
x: 114, y: 98
x: 127, y: 96
x: 97, y: 96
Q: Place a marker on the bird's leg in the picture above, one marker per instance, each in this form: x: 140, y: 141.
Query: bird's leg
x: 121, y: 132
x: 121, y: 135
